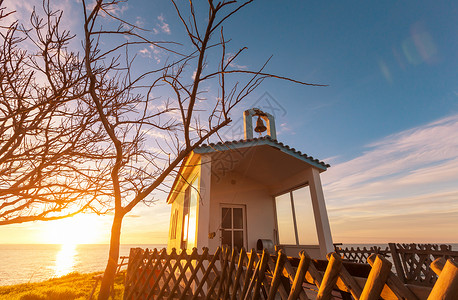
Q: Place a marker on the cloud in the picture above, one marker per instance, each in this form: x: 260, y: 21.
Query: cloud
x: 24, y: 9
x: 118, y: 10
x: 133, y: 216
x: 233, y: 63
x: 285, y: 128
x: 410, y: 176
x: 162, y: 26
x: 145, y: 52
x: 140, y: 22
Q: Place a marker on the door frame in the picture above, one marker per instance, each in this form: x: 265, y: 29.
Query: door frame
x: 244, y: 219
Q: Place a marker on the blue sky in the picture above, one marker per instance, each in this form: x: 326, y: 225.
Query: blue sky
x: 387, y: 123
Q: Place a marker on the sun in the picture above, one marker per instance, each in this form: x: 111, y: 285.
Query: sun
x: 80, y: 229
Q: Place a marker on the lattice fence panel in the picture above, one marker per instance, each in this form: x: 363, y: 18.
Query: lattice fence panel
x: 234, y: 275
x: 412, y: 261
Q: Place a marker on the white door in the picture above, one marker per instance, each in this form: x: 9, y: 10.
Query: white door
x: 233, y: 226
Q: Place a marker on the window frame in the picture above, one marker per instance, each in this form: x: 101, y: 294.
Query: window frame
x: 293, y: 211
x: 232, y: 229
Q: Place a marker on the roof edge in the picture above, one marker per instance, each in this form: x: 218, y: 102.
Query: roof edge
x: 266, y: 140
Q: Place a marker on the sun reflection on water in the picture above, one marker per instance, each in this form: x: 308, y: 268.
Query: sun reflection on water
x: 65, y: 260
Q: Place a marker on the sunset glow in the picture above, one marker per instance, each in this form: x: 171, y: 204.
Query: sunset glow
x: 387, y: 123
x: 65, y: 260
x: 81, y: 229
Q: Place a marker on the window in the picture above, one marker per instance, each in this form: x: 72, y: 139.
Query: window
x: 174, y: 223
x: 233, y: 226
x: 188, y: 236
x: 295, y: 218
x: 285, y: 220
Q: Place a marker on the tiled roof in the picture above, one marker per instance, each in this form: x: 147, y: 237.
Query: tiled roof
x: 265, y: 140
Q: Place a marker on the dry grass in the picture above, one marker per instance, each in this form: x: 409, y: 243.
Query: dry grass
x: 68, y: 287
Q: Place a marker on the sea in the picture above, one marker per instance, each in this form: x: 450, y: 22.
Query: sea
x: 38, y: 262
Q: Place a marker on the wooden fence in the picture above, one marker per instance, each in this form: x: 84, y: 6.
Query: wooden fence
x: 412, y: 261
x: 359, y: 255
x: 240, y: 275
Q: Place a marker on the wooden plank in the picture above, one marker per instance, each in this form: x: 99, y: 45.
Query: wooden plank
x: 438, y: 264
x: 330, y: 277
x: 349, y: 283
x: 194, y: 256
x: 212, y: 288
x: 238, y: 275
x: 249, y: 271
x: 296, y: 289
x: 193, y: 276
x: 377, y: 279
x: 229, y: 275
x: 151, y: 271
x: 277, y: 277
x: 396, y: 285
x: 397, y: 262
x: 315, y: 274
x: 290, y: 273
x: 183, y: 255
x: 252, y: 281
x: 261, y: 273
x: 132, y: 289
x: 224, y: 259
x: 182, y: 279
x: 138, y: 255
x: 206, y: 274
x: 446, y: 287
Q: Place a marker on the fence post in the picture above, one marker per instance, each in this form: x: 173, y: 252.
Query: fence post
x: 261, y: 273
x: 438, y: 264
x: 276, y: 280
x: 396, y: 285
x: 296, y: 289
x: 249, y: 272
x: 397, y: 262
x: 446, y: 287
x: 330, y: 277
x: 238, y: 274
x: 376, y: 279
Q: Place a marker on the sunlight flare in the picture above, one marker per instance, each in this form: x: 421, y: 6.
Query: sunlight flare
x: 81, y: 229
x: 65, y: 260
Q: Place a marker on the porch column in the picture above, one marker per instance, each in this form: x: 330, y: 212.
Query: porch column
x: 203, y: 207
x: 321, y: 215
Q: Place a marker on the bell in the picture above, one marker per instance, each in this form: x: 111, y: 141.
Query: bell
x: 260, y: 127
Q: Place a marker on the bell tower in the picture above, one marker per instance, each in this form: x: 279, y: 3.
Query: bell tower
x: 262, y: 116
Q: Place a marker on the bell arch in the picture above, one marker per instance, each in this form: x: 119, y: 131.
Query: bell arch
x: 248, y: 122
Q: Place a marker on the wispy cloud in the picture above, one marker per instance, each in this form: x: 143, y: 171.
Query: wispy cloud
x: 411, y: 175
x: 152, y: 52
x: 162, y: 26
x: 140, y: 22
x: 24, y: 9
x: 233, y: 63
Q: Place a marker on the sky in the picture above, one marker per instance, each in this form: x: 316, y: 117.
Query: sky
x: 387, y: 122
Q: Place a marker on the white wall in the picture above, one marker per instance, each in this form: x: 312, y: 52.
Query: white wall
x: 193, y: 177
x: 177, y: 204
x: 233, y: 189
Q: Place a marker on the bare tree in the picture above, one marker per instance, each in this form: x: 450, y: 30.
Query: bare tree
x: 131, y: 113
x: 46, y: 135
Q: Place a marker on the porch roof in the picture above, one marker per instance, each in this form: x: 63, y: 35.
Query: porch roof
x: 266, y: 140
x: 283, y: 168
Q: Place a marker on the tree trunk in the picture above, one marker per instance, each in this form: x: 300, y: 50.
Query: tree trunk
x: 110, y: 270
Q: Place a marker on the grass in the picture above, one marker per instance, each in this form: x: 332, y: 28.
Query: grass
x: 69, y: 287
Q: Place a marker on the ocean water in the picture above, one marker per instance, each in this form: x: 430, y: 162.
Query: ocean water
x: 32, y: 263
